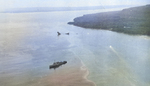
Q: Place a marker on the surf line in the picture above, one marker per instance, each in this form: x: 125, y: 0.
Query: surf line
x: 83, y: 67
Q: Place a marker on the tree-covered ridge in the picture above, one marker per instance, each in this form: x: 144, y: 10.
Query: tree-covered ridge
x: 134, y: 20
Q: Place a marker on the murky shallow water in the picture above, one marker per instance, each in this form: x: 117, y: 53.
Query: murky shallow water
x: 29, y: 44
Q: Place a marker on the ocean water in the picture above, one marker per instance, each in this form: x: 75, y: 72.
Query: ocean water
x: 29, y: 44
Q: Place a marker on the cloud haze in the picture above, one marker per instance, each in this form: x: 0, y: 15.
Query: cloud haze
x: 5, y: 4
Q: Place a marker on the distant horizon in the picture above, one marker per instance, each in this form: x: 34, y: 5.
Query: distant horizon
x: 50, y: 9
x: 8, y: 4
x: 78, y: 7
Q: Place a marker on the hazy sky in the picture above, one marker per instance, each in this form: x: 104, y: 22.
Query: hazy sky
x: 5, y: 4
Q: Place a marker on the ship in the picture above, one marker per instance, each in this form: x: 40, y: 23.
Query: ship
x: 57, y: 64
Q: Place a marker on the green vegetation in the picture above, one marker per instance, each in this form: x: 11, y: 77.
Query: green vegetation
x: 134, y: 20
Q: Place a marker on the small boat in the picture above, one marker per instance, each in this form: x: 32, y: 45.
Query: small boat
x: 58, y: 33
x: 57, y: 64
x: 67, y: 33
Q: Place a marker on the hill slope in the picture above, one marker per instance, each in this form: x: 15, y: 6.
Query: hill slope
x: 135, y: 20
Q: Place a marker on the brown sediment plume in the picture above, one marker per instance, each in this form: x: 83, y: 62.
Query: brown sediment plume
x: 67, y: 76
x: 83, y: 67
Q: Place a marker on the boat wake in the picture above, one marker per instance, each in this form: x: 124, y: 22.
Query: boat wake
x: 114, y: 51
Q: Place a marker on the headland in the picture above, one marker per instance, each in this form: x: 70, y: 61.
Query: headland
x: 134, y: 20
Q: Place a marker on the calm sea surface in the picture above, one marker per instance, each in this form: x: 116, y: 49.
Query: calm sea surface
x: 29, y: 44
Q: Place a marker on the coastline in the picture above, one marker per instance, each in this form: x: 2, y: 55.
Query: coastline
x: 74, y: 75
x: 133, y: 21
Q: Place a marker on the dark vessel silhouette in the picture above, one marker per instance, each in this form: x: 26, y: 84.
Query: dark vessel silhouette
x: 57, y: 64
x: 58, y: 33
x: 67, y: 33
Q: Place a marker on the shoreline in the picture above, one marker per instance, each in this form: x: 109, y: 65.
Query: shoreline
x: 133, y: 20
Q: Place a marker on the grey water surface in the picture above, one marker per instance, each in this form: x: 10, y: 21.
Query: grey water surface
x: 29, y: 44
